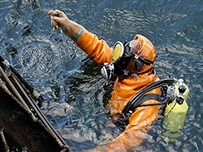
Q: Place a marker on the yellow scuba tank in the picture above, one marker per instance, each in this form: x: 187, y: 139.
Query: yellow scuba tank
x: 176, y: 109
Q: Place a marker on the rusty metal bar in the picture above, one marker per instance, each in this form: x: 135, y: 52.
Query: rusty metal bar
x: 16, y: 107
x: 6, y: 147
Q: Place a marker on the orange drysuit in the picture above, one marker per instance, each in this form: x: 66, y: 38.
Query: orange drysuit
x: 123, y: 91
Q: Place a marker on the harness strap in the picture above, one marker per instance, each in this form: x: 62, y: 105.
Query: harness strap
x: 142, y: 92
x: 122, y: 121
x: 139, y: 98
x: 145, y: 98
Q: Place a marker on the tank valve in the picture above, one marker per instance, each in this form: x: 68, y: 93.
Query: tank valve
x: 182, y: 89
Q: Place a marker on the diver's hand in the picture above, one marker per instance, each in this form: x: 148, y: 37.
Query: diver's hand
x: 60, y: 20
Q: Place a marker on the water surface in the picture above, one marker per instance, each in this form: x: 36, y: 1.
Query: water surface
x: 72, y: 85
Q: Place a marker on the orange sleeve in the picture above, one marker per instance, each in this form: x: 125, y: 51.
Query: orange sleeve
x: 97, y: 50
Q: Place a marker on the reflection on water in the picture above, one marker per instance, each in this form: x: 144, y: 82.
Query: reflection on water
x: 58, y: 69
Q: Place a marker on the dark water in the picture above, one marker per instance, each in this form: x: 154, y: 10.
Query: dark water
x: 63, y: 74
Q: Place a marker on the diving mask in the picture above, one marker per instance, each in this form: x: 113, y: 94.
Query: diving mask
x: 122, y: 56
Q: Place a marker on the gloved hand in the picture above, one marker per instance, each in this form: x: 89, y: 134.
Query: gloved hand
x: 60, y: 20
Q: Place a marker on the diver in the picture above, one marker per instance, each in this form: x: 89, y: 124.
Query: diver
x: 130, y: 65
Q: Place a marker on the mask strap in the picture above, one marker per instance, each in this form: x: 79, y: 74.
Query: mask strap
x: 145, y: 61
x: 133, y: 75
x: 127, y: 73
